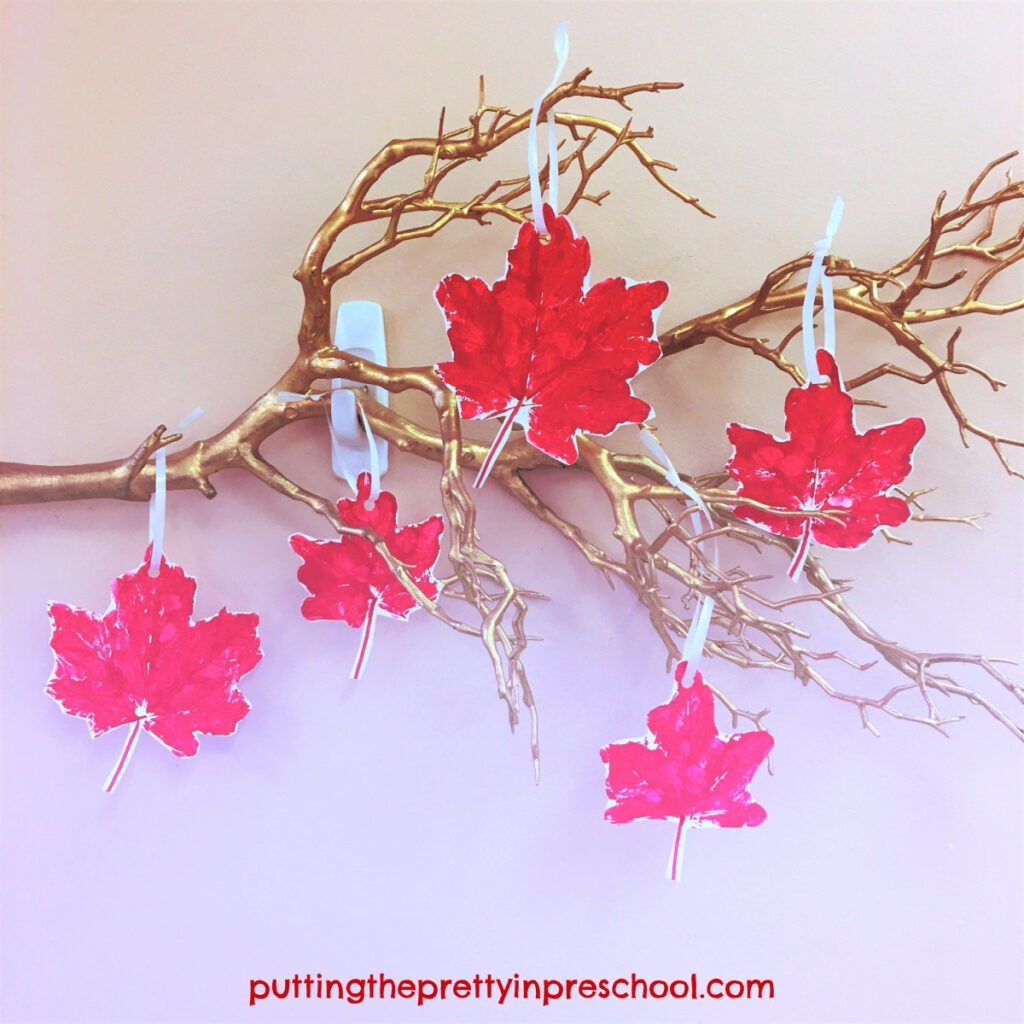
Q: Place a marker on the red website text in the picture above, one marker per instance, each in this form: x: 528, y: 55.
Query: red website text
x: 547, y: 990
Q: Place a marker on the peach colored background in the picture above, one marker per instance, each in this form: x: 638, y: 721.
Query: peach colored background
x: 164, y: 166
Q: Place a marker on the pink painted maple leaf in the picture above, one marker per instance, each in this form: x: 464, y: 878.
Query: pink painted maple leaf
x: 539, y: 349
x: 349, y: 579
x: 824, y: 465
x: 684, y: 770
x: 146, y: 664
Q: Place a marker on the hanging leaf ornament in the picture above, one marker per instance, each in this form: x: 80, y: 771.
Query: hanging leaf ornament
x: 147, y: 665
x: 824, y: 465
x: 543, y: 350
x: 683, y: 769
x: 349, y: 579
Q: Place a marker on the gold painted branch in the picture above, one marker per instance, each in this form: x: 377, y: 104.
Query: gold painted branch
x: 667, y: 572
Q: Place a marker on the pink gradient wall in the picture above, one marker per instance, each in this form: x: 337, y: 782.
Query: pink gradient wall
x: 164, y: 166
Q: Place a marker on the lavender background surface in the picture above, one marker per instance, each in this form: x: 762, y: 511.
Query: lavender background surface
x: 164, y: 166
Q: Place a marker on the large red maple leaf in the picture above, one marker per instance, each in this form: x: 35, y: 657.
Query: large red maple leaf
x: 350, y: 580
x: 543, y: 351
x: 824, y: 465
x: 683, y: 769
x: 145, y: 663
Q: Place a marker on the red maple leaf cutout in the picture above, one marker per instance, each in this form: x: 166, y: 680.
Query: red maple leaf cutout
x: 825, y: 465
x: 146, y: 664
x: 683, y: 769
x: 350, y: 580
x: 539, y: 349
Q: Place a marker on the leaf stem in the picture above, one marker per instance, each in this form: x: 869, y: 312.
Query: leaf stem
x: 677, y: 851
x: 126, y: 755
x: 801, y: 552
x: 497, y: 445
x: 367, y: 642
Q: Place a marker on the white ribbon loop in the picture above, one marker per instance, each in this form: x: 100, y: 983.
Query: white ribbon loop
x: 816, y: 277
x: 536, y: 197
x: 158, y: 503
x: 693, y: 646
x: 374, y: 455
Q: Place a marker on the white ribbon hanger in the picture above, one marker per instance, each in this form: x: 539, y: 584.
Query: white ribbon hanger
x: 158, y: 502
x: 693, y: 646
x: 537, y: 199
x: 816, y: 277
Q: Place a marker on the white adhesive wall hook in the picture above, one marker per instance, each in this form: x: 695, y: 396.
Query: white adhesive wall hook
x: 359, y: 332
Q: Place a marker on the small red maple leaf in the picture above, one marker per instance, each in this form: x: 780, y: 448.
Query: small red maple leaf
x: 145, y: 663
x: 683, y: 769
x: 540, y: 349
x: 350, y: 580
x: 825, y: 465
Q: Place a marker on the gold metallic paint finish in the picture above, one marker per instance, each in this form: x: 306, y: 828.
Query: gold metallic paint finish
x: 667, y: 572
